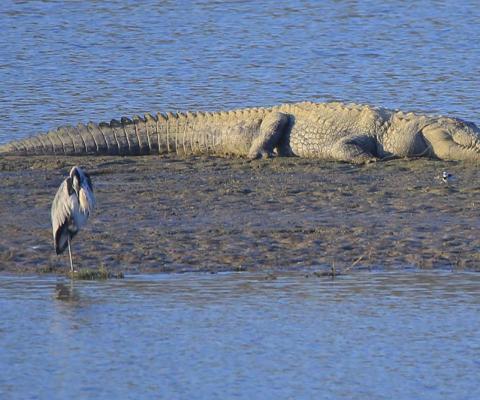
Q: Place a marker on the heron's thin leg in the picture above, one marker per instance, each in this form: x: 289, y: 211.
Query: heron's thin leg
x: 70, y: 253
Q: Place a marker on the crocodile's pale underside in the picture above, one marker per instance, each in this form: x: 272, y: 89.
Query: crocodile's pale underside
x: 336, y: 131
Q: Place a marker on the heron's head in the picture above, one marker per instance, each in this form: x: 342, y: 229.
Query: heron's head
x: 77, y: 175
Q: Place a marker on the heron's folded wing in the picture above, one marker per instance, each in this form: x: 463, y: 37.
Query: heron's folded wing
x: 62, y: 206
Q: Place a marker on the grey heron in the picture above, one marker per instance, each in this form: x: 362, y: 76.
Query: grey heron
x: 71, y: 207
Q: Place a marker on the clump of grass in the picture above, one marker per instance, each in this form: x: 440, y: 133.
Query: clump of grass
x: 47, y: 269
x: 88, y: 274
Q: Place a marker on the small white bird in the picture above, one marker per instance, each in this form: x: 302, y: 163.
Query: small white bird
x: 71, y: 207
x: 447, y: 177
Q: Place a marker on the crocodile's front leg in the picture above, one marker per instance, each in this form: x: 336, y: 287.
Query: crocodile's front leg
x: 272, y: 131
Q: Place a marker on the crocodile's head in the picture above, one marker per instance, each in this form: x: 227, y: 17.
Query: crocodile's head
x: 442, y: 137
x: 453, y: 139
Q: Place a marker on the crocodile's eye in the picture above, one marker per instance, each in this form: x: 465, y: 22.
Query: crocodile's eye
x: 467, y: 125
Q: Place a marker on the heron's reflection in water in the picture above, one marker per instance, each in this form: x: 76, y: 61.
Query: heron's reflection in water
x: 66, y: 291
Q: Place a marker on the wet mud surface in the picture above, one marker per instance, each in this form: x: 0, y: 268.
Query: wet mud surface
x: 167, y: 214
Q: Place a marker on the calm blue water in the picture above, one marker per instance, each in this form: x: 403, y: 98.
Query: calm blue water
x: 199, y: 336
x: 70, y: 61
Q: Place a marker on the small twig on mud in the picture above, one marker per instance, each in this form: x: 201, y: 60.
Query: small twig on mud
x: 354, y: 263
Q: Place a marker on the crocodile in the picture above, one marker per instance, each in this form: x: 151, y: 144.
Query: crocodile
x: 355, y: 133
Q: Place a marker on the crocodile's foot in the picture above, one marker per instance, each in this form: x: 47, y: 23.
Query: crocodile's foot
x: 255, y: 154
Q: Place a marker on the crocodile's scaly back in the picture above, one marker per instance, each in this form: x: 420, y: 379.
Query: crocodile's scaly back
x: 318, y: 127
x: 219, y: 133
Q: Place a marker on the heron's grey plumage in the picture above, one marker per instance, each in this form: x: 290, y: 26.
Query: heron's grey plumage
x: 71, y: 207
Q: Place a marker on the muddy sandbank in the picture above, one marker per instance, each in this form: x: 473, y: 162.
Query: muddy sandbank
x: 168, y: 214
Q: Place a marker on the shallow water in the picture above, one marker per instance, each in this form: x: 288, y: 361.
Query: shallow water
x: 368, y: 335
x: 65, y: 62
